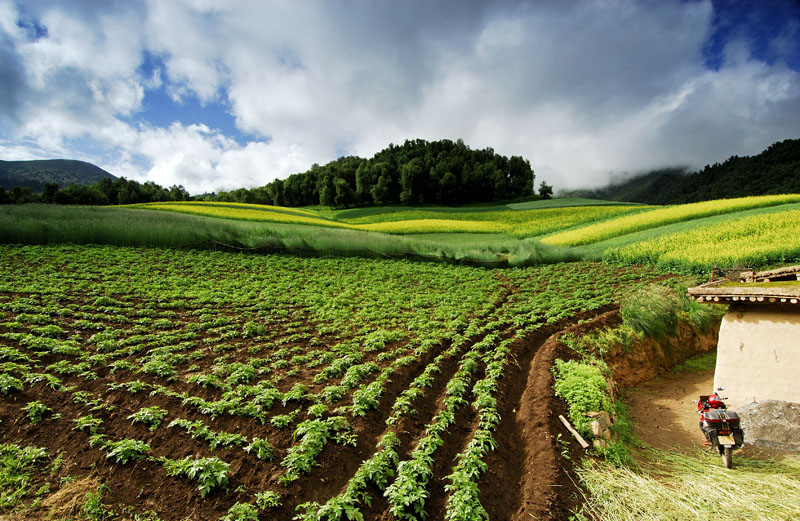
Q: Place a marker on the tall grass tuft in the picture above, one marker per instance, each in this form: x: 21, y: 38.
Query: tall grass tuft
x: 652, y: 311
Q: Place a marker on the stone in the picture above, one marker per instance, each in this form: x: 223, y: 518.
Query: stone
x: 595, y: 427
x: 605, y: 420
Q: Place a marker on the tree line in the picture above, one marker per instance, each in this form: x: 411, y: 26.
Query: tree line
x: 103, y: 192
x: 417, y: 172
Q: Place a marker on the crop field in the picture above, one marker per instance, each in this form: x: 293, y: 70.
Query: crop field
x: 213, y: 385
x: 520, y: 223
x: 242, y: 212
x: 754, y: 240
x: 664, y: 216
x: 520, y: 234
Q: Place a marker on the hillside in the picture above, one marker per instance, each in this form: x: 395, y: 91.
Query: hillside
x: 774, y: 171
x: 757, y: 231
x: 35, y: 174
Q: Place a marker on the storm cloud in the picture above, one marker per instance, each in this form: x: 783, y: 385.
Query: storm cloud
x: 582, y: 89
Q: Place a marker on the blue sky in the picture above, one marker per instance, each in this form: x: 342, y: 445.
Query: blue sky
x: 223, y: 94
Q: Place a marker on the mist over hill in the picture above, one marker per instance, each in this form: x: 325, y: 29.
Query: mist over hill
x: 34, y: 175
x: 776, y: 170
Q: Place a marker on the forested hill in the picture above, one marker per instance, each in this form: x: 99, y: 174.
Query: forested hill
x: 774, y: 171
x: 416, y: 172
x: 34, y: 175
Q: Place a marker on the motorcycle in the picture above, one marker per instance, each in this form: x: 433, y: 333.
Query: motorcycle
x: 720, y: 426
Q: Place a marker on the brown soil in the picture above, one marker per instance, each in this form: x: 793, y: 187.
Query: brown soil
x: 664, y: 410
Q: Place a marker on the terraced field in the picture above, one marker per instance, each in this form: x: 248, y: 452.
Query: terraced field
x: 212, y: 385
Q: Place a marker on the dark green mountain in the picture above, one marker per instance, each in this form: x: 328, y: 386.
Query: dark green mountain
x: 35, y: 174
x: 774, y: 171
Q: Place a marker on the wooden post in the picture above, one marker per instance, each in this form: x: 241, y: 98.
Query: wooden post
x: 573, y: 432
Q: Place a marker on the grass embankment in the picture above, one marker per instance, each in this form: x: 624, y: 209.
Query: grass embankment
x: 653, y: 312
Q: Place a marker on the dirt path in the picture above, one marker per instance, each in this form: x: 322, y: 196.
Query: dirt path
x: 664, y: 409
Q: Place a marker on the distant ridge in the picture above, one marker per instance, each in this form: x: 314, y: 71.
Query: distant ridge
x: 774, y: 171
x: 35, y: 174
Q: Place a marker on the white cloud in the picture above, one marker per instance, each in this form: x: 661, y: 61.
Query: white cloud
x: 580, y: 88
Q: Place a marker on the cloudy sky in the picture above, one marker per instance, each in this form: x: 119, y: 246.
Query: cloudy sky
x: 220, y: 94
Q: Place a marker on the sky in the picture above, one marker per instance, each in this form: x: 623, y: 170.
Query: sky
x: 222, y: 94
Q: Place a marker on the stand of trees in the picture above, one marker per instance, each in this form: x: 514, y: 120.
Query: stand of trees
x: 103, y: 192
x: 416, y: 172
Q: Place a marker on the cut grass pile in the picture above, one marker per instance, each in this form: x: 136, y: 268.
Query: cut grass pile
x: 675, y: 486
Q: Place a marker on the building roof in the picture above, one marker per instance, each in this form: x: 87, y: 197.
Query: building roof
x: 778, y: 286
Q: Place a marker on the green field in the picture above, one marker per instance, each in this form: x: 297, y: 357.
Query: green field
x: 235, y: 362
x: 752, y: 231
x: 284, y: 385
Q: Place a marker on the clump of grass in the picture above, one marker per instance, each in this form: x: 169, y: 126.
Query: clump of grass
x: 601, y: 341
x: 652, y: 311
x: 672, y: 485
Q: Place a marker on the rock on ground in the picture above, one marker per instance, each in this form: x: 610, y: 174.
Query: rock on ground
x: 772, y: 423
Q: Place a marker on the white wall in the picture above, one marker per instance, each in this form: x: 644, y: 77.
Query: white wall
x: 758, y: 354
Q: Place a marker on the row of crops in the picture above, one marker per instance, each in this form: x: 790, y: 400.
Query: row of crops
x: 230, y: 386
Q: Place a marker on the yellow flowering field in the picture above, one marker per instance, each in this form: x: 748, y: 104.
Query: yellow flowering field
x: 433, y: 226
x: 245, y: 212
x: 526, y: 223
x: 663, y: 216
x: 752, y: 241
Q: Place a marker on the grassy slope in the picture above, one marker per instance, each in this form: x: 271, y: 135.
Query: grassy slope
x: 48, y: 224
x: 494, y: 234
x: 355, y: 213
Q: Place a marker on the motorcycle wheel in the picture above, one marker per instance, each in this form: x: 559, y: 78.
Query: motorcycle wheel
x: 727, y: 457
